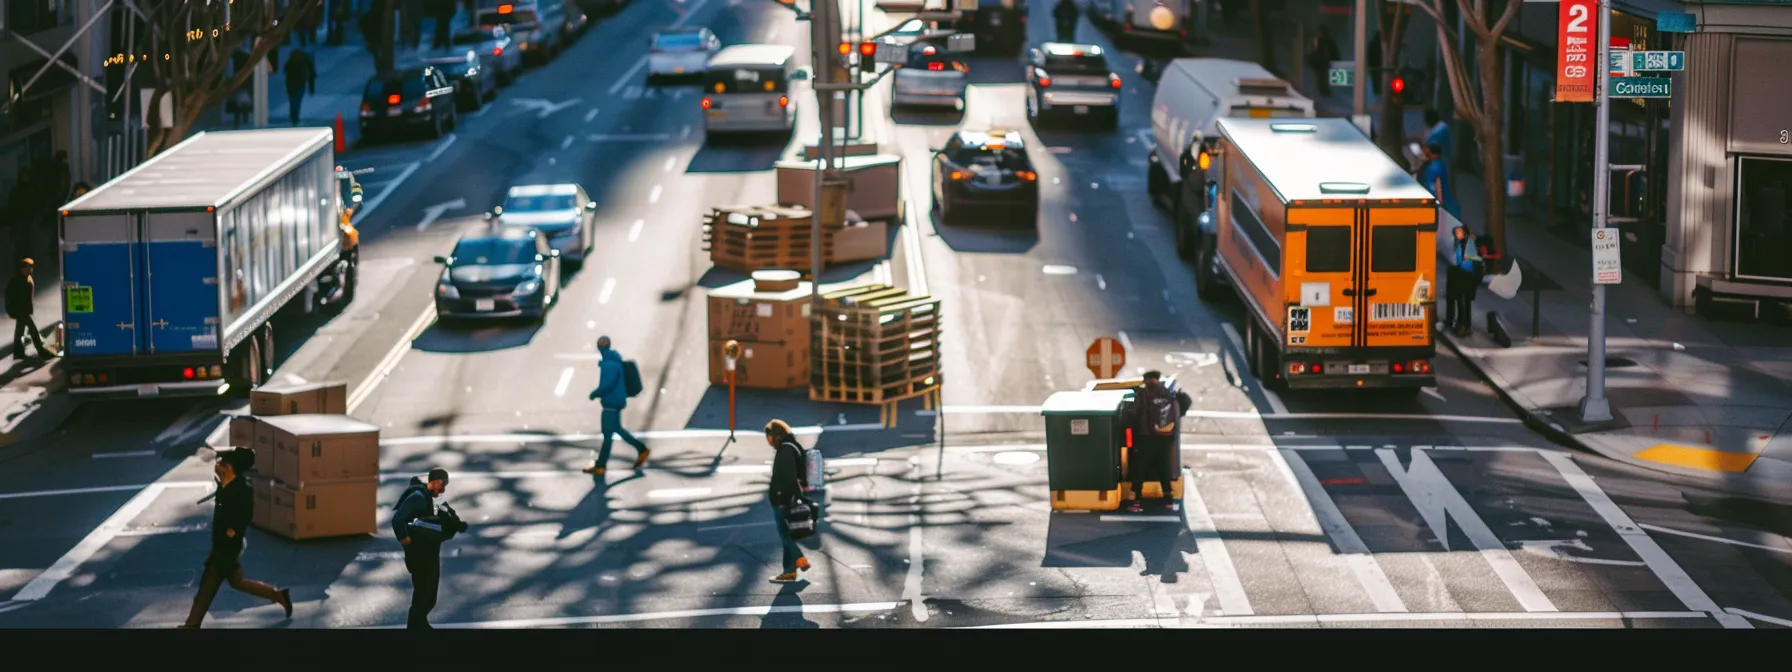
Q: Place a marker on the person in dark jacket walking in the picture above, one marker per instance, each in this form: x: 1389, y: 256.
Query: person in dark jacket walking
x: 786, y: 486
x: 233, y: 506
x: 1320, y: 58
x: 613, y: 395
x: 422, y: 556
x: 301, y: 75
x: 21, y: 291
x: 1065, y: 15
x: 1154, y: 437
x: 442, y: 14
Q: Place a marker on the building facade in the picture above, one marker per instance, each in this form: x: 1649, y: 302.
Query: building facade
x: 51, y: 109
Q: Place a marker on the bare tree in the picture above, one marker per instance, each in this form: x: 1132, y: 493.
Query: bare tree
x: 1395, y: 18
x: 195, y: 40
x: 1479, y: 98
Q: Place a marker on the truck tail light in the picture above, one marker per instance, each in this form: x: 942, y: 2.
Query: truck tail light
x: 1297, y: 368
x: 1421, y: 366
x: 1128, y: 437
x: 783, y: 101
x: 707, y: 103
x: 187, y: 373
x: 1399, y: 367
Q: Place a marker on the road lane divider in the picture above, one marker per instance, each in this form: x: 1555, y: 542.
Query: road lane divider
x: 367, y: 385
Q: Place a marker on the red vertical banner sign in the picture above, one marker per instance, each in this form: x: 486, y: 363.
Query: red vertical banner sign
x: 1574, y: 51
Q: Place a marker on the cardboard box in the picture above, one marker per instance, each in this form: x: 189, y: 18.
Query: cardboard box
x: 328, y: 398
x: 770, y: 366
x: 263, y: 516
x: 858, y: 243
x: 323, y: 448
x: 874, y: 185
x: 745, y: 312
x: 263, y: 443
x: 242, y: 431
x: 320, y: 510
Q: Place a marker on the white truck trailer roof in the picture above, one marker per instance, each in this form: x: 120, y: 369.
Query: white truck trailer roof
x: 207, y: 170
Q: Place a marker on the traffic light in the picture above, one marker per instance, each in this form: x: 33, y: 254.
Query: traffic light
x: 868, y: 57
x: 1397, y: 87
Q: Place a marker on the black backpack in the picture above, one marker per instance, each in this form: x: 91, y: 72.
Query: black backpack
x: 1158, y: 412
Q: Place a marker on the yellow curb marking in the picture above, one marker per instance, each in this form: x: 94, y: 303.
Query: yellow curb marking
x: 1698, y: 458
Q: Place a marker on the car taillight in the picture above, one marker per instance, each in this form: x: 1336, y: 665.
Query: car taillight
x: 393, y: 99
x: 1044, y: 79
x: 936, y: 66
x: 783, y: 101
x: 423, y: 105
x: 707, y: 103
x: 1027, y: 175
x: 497, y: 51
x: 957, y: 174
x: 188, y: 373
x: 1114, y: 80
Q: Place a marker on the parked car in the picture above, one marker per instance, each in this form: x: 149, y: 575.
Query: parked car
x: 681, y: 53
x: 539, y: 28
x: 494, y: 43
x: 506, y: 273
x: 413, y: 98
x: 561, y: 212
x: 474, y: 81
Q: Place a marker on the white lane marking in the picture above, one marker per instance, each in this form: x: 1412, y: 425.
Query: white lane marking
x: 811, y: 430
x: 852, y: 462
x: 686, y: 133
x: 1056, y: 269
x: 1141, y: 519
x: 566, y: 143
x: 671, y: 162
x: 807, y: 609
x: 744, y: 469
x: 689, y: 12
x: 379, y: 373
x: 1707, y: 537
x: 627, y: 76
x: 372, y: 203
x: 1433, y: 392
x: 1212, y: 549
x: 1126, y: 342
x: 565, y: 380
x: 1552, y: 549
x: 133, y: 453
x: 1101, y: 283
x: 1668, y: 571
x: 435, y: 212
x: 654, y: 195
x: 1356, y: 553
x: 370, y: 556
x: 771, y: 36
x: 634, y: 230
x: 66, y: 566
x: 75, y: 491
x: 1275, y: 402
x: 156, y: 531
x: 482, y: 110
x: 677, y: 493
x: 627, y: 137
x: 441, y: 147
x: 1760, y: 617
x: 591, y: 115
x: 1315, y: 619
x: 912, y: 583
x: 735, y: 526
x: 1438, y: 502
x: 609, y: 288
x: 1256, y: 415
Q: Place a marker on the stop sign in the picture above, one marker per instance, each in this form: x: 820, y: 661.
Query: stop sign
x: 1106, y: 357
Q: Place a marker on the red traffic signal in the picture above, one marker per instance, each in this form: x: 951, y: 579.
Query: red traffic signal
x: 1398, y: 85
x: 868, y: 49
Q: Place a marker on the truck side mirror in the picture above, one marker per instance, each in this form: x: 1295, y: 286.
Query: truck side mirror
x: 441, y: 260
x: 591, y: 205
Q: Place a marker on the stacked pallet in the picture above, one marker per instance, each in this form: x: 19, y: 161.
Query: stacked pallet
x: 760, y: 237
x: 874, y: 344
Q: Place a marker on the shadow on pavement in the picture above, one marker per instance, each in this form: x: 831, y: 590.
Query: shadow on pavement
x: 730, y: 154
x: 996, y: 70
x: 462, y: 337
x: 987, y: 234
x: 922, y: 116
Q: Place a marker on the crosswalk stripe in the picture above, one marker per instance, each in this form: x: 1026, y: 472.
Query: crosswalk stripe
x: 1233, y: 600
x: 1362, y: 562
x: 1438, y: 502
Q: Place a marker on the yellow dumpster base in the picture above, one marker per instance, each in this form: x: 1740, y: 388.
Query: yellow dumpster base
x: 1153, y: 490
x: 1086, y: 500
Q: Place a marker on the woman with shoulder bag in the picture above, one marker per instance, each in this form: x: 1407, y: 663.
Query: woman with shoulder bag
x: 786, y: 490
x: 234, y: 507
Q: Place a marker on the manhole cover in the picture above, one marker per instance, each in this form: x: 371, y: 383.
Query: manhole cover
x: 1614, y: 362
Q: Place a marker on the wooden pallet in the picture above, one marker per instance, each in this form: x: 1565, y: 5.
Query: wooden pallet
x: 751, y: 238
x: 872, y: 395
x: 874, y: 344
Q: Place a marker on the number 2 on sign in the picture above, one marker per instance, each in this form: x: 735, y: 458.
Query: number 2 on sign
x: 1577, y: 18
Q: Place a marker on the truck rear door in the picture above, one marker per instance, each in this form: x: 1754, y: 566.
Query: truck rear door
x: 1401, y: 275
x: 1322, y: 276
x: 181, y: 283
x: 100, y: 266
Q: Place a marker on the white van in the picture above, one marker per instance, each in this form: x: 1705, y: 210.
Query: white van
x: 1192, y: 95
x: 747, y: 89
x: 1145, y: 19
x: 537, y: 28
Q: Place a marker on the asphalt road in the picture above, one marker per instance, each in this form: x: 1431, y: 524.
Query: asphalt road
x: 1310, y: 510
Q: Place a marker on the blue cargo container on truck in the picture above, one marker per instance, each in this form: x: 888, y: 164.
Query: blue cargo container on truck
x: 173, y: 272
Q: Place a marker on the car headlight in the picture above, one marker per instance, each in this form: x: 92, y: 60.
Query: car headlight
x: 528, y: 287
x: 447, y: 291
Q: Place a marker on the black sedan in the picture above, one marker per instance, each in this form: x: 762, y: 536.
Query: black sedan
x: 474, y: 77
x: 509, y: 273
x: 1072, y: 81
x: 985, y: 170
x: 414, y: 98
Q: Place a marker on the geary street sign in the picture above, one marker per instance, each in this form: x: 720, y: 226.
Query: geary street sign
x: 1658, y: 61
x: 1641, y: 87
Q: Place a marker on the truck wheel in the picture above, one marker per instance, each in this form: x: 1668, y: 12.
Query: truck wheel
x: 1206, y: 280
x: 266, y: 359
x: 1250, y: 346
x: 1154, y: 183
x: 245, y: 369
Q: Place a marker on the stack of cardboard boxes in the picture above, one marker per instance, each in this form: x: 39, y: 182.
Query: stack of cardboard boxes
x: 319, y: 468
x: 769, y: 316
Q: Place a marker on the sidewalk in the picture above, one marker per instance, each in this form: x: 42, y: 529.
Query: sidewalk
x: 1690, y: 396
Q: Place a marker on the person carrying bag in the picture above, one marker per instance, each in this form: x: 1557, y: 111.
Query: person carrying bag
x: 791, y: 512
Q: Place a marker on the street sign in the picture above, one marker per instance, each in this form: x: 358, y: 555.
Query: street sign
x: 1106, y: 357
x: 1676, y: 22
x: 1641, y: 87
x: 961, y: 43
x: 1341, y: 76
x: 1608, y: 267
x: 1658, y: 61
x: 1620, y: 62
x: 890, y: 51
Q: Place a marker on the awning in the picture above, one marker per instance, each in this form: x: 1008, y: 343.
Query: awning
x: 53, y: 81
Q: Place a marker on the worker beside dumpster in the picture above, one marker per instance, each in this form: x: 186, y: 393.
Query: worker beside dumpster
x: 1157, y: 424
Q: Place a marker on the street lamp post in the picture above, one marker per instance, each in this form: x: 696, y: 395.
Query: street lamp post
x: 1595, y: 407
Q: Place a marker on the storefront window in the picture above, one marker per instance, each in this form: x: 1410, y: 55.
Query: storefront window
x: 1763, y: 236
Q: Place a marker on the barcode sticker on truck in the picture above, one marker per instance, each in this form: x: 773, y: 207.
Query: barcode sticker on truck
x: 1396, y: 312
x: 1300, y: 320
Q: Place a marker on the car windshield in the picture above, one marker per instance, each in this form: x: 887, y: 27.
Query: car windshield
x: 938, y: 61
x: 1086, y: 64
x: 678, y: 41
x: 520, y: 17
x: 540, y: 203
x: 744, y: 80
x: 410, y: 86
x: 477, y: 37
x: 1005, y: 157
x: 494, y: 252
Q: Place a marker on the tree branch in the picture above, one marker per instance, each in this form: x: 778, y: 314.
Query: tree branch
x: 1509, y: 14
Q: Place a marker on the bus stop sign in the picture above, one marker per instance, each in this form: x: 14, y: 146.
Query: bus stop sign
x: 1106, y: 357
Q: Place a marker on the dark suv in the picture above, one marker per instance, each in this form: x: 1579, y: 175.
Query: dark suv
x: 1072, y: 80
x: 415, y: 98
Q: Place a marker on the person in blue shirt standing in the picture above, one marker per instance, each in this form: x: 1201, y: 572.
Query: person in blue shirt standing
x: 1435, y: 175
x: 614, y: 396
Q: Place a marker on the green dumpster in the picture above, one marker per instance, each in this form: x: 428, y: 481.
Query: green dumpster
x: 1084, y: 434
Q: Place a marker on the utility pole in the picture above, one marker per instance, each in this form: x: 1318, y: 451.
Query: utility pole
x: 821, y: 19
x: 1359, y: 93
x: 1595, y: 407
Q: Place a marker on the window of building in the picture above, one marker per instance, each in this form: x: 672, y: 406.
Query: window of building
x: 1763, y: 232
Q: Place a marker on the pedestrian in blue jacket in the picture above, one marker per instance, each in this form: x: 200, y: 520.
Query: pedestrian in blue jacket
x: 614, y: 396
